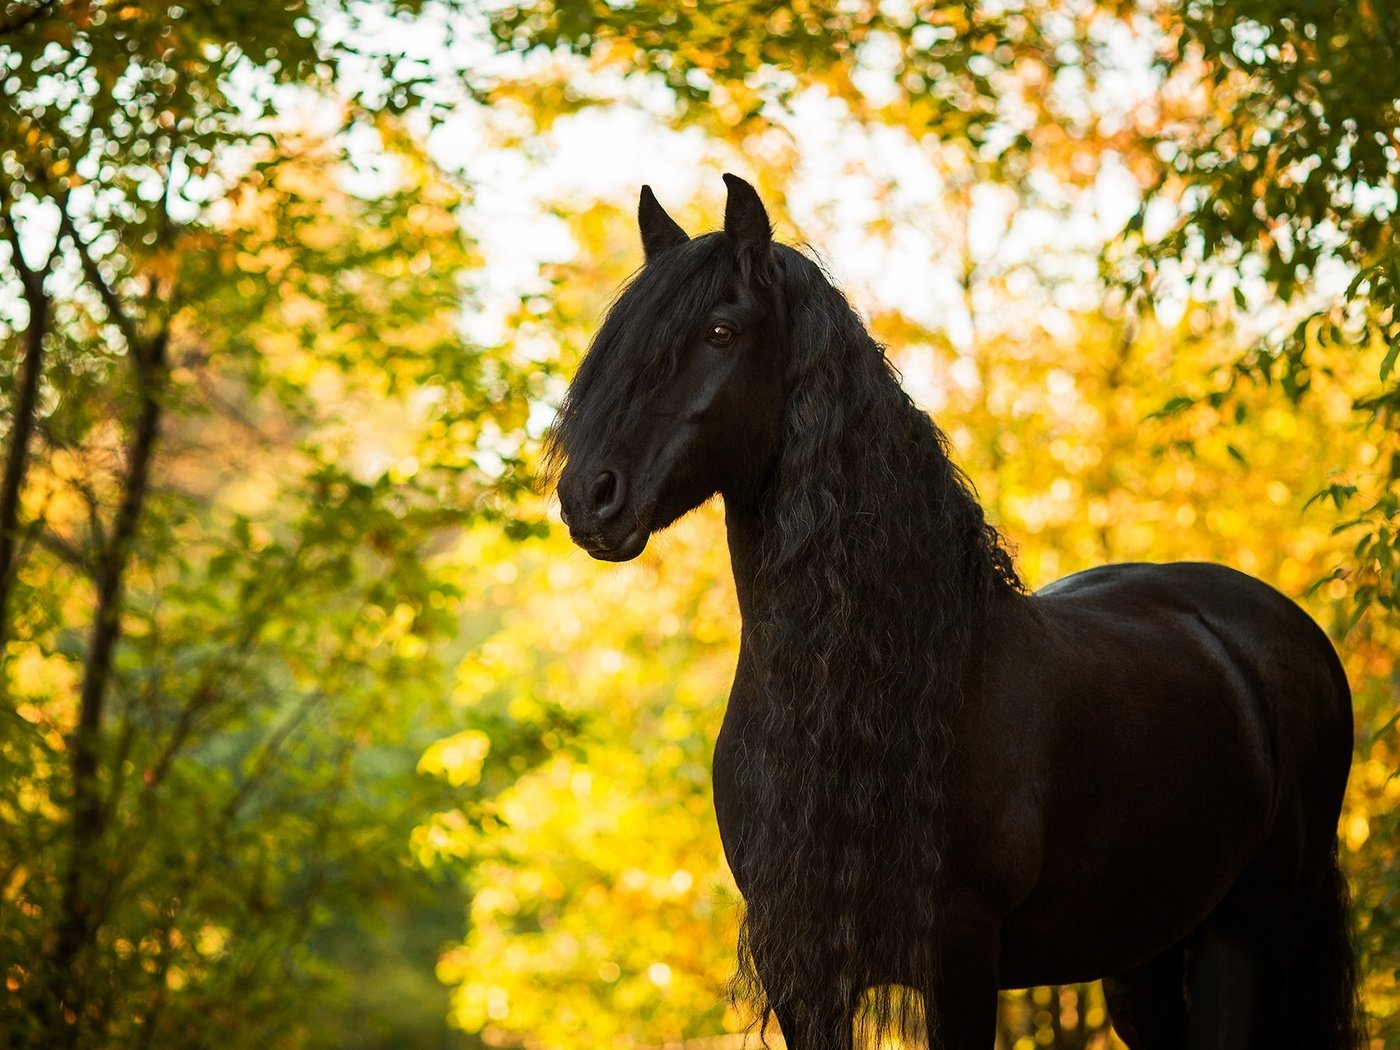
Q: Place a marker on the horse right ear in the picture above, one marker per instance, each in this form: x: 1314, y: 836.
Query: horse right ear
x: 746, y: 224
x: 745, y: 219
x: 659, y: 230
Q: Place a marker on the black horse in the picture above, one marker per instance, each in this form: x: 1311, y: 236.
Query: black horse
x: 930, y: 784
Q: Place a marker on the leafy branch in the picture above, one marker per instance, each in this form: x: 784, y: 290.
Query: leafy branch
x: 23, y: 410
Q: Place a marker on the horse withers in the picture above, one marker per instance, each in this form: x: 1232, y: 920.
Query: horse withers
x: 931, y: 784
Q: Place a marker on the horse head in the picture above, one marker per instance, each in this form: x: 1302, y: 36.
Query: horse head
x: 680, y: 395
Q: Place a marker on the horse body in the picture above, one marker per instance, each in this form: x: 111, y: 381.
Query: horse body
x: 1236, y: 698
x: 1106, y: 722
x: 926, y: 777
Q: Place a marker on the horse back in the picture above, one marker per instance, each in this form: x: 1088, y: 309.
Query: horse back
x: 1284, y: 670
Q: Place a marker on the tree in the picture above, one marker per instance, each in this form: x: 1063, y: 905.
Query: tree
x: 265, y: 537
x: 219, y: 597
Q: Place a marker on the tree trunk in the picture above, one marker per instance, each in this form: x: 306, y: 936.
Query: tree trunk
x: 21, y: 424
x: 77, y: 925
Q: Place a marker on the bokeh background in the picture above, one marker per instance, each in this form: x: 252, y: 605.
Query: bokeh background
x: 318, y: 733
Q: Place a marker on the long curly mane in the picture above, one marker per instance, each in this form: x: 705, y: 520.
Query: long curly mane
x: 877, y: 567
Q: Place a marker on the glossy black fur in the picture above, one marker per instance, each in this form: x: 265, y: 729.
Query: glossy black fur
x: 929, y: 784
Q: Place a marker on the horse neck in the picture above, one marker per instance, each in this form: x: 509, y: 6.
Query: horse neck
x: 863, y: 569
x: 902, y: 547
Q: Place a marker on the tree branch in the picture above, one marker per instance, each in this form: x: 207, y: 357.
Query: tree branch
x: 115, y: 311
x: 69, y: 554
x: 208, y: 691
x: 28, y: 277
x: 76, y: 922
x: 22, y: 411
x: 14, y: 23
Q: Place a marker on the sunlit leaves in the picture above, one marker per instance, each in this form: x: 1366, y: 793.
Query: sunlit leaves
x: 601, y: 902
x: 457, y: 758
x: 1000, y: 83
x: 322, y: 428
x: 301, y: 582
x: 1270, y: 146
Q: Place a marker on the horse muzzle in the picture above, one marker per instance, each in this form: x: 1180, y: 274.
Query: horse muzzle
x: 594, y: 508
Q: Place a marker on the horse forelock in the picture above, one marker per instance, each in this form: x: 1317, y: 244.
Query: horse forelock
x: 638, y: 347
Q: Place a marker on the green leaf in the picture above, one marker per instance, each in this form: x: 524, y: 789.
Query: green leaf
x: 1388, y: 364
x: 1173, y: 407
x: 1339, y: 494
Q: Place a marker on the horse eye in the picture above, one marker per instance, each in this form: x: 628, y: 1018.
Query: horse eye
x: 721, y: 335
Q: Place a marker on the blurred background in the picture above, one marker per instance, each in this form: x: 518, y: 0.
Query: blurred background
x: 316, y: 730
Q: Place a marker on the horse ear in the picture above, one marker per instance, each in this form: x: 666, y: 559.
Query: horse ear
x: 659, y: 230
x: 744, y: 216
x: 746, y: 223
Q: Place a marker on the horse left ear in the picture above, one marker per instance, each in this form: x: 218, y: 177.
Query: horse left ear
x: 659, y: 230
x: 746, y: 223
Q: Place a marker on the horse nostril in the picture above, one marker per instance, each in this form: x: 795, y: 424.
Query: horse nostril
x: 606, y: 494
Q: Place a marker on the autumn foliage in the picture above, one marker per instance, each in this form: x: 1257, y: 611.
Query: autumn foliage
x: 317, y: 731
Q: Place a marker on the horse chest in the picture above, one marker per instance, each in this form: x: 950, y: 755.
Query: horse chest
x: 795, y: 800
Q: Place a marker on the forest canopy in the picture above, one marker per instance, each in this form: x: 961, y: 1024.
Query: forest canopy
x: 318, y: 732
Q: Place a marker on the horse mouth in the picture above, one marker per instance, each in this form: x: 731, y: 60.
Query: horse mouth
x: 625, y: 549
